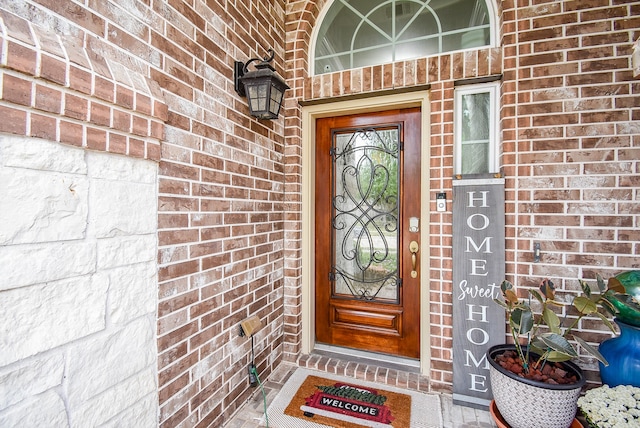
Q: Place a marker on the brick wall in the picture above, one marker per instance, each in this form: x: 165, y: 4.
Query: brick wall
x: 570, y: 130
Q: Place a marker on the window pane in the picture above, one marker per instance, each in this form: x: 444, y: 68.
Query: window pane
x: 388, y: 26
x: 475, y: 158
x: 372, y: 56
x: 476, y: 113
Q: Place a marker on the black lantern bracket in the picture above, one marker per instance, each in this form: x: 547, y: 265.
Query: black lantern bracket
x: 242, y: 68
x: 263, y: 87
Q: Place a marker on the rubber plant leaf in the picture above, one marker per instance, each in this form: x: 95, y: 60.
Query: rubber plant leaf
x: 510, y: 297
x: 522, y: 319
x: 557, y: 357
x: 605, y: 320
x: 584, y: 305
x: 551, y: 320
x: 615, y: 285
x: 585, y: 288
x: 548, y: 289
x: 536, y: 295
x: 591, y: 350
x: 557, y: 343
x: 506, y: 285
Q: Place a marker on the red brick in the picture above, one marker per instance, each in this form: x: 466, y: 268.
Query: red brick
x: 100, y: 114
x: 117, y: 143
x: 49, y: 42
x: 16, y: 90
x: 96, y: 139
x: 71, y: 133
x: 77, y: 14
x: 43, y: 127
x: 17, y: 28
x: 153, y: 151
x: 53, y: 70
x: 121, y: 120
x: 103, y: 89
x: 13, y: 121
x: 80, y: 80
x: 75, y: 107
x: 136, y: 148
x: 140, y: 126
x: 21, y: 58
x: 143, y: 104
x: 124, y: 97
x: 48, y: 99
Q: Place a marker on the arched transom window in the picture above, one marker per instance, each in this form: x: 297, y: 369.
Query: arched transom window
x: 357, y: 33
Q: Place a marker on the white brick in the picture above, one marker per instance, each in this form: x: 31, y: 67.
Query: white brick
x: 42, y: 206
x: 126, y: 250
x: 22, y: 265
x: 107, y: 359
x: 21, y: 381
x: 43, y: 411
x: 132, y: 292
x: 38, y: 318
x: 110, y: 403
x: 37, y: 154
x: 122, y: 208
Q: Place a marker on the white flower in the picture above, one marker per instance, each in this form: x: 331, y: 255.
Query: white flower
x: 617, y: 407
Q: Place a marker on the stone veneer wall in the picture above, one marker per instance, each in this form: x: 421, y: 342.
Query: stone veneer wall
x: 77, y: 286
x: 570, y: 110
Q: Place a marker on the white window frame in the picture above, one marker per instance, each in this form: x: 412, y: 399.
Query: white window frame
x: 494, y: 138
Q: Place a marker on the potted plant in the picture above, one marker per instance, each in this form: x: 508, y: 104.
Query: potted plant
x: 534, y: 383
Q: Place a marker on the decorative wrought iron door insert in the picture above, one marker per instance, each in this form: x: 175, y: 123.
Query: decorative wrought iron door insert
x: 365, y: 213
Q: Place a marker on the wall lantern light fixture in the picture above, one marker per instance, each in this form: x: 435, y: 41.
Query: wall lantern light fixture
x: 263, y: 87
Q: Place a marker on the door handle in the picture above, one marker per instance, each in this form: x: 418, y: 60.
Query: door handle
x: 414, y: 247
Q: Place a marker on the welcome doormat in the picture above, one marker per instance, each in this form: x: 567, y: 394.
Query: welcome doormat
x: 311, y: 399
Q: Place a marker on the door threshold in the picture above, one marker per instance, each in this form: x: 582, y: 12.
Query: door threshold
x: 370, y: 358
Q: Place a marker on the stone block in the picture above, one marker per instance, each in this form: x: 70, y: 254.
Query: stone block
x: 107, y: 359
x: 132, y: 292
x: 23, y: 380
x: 120, y: 208
x: 41, y: 206
x: 143, y: 414
x: 22, y: 265
x: 42, y: 155
x: 121, y: 168
x: 118, y: 401
x: 126, y: 250
x: 46, y: 410
x: 41, y: 317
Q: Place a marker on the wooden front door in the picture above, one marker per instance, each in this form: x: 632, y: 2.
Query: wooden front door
x: 367, y: 272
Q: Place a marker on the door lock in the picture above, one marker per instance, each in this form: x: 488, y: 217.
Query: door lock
x: 414, y: 248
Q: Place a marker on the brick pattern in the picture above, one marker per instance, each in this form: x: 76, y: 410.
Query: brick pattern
x: 53, y: 88
x: 570, y: 136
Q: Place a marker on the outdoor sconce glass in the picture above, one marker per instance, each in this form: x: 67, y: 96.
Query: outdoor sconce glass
x: 263, y: 87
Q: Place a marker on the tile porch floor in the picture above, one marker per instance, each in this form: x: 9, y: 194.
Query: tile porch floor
x: 251, y: 413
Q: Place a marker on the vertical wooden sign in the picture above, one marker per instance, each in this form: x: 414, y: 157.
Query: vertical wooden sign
x: 478, y: 271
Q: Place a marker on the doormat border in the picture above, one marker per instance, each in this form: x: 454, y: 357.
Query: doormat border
x: 423, y: 406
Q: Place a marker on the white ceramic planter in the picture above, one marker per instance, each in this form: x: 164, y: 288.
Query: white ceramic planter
x: 525, y: 403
